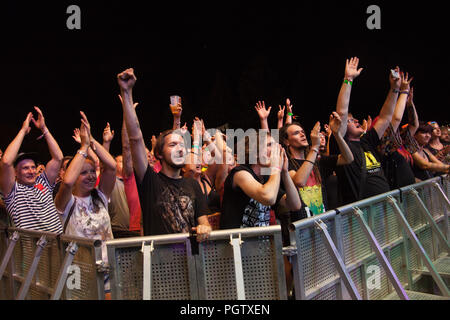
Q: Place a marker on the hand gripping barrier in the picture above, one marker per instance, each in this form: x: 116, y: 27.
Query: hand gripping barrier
x: 233, y: 264
x: 42, y: 265
x: 369, y: 249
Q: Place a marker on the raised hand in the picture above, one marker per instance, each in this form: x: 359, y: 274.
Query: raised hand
x: 76, y: 135
x: 260, y: 108
x: 84, y: 133
x: 26, y: 124
x: 281, y: 113
x: 395, y: 82
x: 405, y: 83
x: 153, y: 142
x: 40, y: 122
x: 126, y: 79
x: 289, y: 106
x: 327, y: 130
x: 108, y: 134
x: 335, y: 122
x: 351, y: 69
x: 285, y: 166
x: 315, y: 135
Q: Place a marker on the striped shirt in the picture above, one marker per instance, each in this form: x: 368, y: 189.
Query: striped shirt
x: 32, y: 207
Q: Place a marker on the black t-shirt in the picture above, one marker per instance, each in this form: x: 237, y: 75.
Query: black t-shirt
x: 397, y: 171
x: 238, y: 209
x: 351, y: 175
x: 170, y: 205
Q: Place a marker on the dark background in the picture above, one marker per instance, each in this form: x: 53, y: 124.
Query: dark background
x: 220, y: 57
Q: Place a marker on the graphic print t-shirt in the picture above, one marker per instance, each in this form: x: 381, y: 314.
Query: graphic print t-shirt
x: 170, y: 205
x: 350, y: 176
x: 312, y: 193
x: 239, y: 210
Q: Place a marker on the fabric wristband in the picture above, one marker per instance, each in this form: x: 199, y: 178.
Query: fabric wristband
x: 348, y: 81
x: 290, y: 114
x: 405, y: 92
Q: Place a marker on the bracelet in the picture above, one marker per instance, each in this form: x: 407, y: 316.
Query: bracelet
x: 290, y: 114
x: 84, y: 154
x: 196, y: 146
x: 310, y: 162
x: 43, y: 134
x: 395, y: 90
x: 314, y: 149
x: 350, y: 82
x: 405, y: 92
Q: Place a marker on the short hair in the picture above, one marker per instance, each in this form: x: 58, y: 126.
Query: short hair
x: 161, y: 140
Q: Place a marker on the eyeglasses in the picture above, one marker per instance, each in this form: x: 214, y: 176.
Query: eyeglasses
x: 352, y: 120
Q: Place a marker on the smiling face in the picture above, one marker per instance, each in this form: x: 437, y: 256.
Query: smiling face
x: 26, y: 172
x: 87, y: 178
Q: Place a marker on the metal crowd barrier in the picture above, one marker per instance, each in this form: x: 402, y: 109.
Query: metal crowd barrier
x: 391, y: 246
x: 238, y: 264
x: 378, y: 248
x: 42, y: 265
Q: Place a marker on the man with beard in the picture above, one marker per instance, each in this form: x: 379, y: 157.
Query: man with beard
x: 159, y: 191
x: 28, y: 197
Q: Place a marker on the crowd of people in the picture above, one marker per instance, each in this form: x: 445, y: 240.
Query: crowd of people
x: 193, y: 181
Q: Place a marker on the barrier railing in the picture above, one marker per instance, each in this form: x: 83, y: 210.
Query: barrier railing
x: 232, y: 264
x: 42, y: 265
x: 384, y: 247
x: 369, y: 249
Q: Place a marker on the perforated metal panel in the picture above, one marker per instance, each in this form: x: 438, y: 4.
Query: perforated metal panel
x: 425, y: 238
x: 356, y: 245
x: 85, y: 260
x: 357, y: 278
x: 318, y: 266
x: 327, y: 294
x: 170, y: 276
x: 260, y: 269
x: 129, y: 271
x: 412, y: 211
x: 218, y: 264
x: 378, y: 287
x: 385, y: 224
x: 397, y: 263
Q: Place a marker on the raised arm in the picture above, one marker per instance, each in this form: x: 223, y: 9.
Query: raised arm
x: 289, y: 114
x: 413, y: 119
x: 291, y: 199
x: 73, y: 171
x: 7, y: 173
x: 126, y: 81
x: 280, y: 116
x: 108, y: 135
x: 263, y: 193
x: 176, y: 113
x: 109, y: 166
x: 53, y: 166
x: 300, y: 177
x: 351, y: 73
x: 401, y: 102
x: 346, y: 155
x: 387, y: 110
x: 263, y: 114
x: 91, y: 154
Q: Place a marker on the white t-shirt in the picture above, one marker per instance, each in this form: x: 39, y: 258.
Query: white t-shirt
x: 84, y: 222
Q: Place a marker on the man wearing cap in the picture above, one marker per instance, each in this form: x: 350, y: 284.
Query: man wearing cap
x: 28, y: 197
